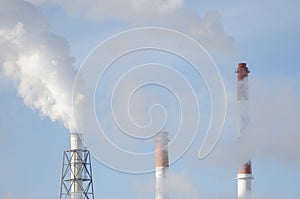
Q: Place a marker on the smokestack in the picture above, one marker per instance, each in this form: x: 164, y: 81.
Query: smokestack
x: 76, y: 165
x: 77, y: 182
x: 162, y: 165
x: 244, y: 176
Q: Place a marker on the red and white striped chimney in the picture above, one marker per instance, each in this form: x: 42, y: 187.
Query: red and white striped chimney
x: 244, y: 176
x: 162, y: 166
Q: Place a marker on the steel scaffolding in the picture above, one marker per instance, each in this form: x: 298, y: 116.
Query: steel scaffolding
x: 76, y: 181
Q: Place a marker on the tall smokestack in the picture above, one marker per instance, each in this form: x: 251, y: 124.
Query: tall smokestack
x: 76, y: 166
x: 244, y: 176
x: 77, y: 182
x: 162, y: 165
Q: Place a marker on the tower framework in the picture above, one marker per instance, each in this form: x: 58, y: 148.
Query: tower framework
x: 76, y: 181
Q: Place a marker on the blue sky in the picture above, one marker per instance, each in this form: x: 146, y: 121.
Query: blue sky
x: 265, y: 34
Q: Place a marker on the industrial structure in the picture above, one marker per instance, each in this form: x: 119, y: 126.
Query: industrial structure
x: 162, y: 166
x: 244, y: 176
x: 76, y: 182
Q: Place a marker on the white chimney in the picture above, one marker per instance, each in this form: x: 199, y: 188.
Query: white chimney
x: 76, y: 166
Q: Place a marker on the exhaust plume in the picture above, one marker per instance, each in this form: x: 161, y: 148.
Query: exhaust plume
x: 174, y: 14
x: 37, y: 61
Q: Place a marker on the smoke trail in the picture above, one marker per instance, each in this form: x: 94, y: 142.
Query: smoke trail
x: 37, y: 61
x: 15, y: 196
x: 174, y: 14
x: 273, y: 131
x: 181, y: 186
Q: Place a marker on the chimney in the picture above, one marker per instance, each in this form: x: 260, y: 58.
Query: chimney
x: 162, y: 166
x: 244, y: 176
x: 77, y: 182
x: 76, y: 165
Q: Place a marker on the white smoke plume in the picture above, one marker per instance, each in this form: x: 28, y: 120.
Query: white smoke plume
x: 256, y: 195
x: 273, y: 131
x: 206, y: 28
x: 14, y: 196
x: 127, y: 10
x: 37, y: 61
x: 180, y: 185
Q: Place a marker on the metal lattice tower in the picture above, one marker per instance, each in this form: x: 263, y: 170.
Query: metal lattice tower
x: 76, y: 181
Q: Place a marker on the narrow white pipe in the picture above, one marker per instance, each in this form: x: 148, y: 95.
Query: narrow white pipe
x: 244, y: 185
x: 161, y: 184
x: 76, y: 166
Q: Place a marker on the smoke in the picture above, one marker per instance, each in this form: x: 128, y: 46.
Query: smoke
x: 37, y: 61
x: 9, y: 196
x: 117, y: 9
x: 39, y: 64
x: 180, y: 185
x: 13, y: 196
x: 206, y: 29
x: 273, y: 130
x: 256, y: 195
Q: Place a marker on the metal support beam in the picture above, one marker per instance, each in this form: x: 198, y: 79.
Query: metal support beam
x: 76, y: 170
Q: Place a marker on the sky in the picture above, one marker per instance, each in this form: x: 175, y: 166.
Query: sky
x: 44, y: 43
